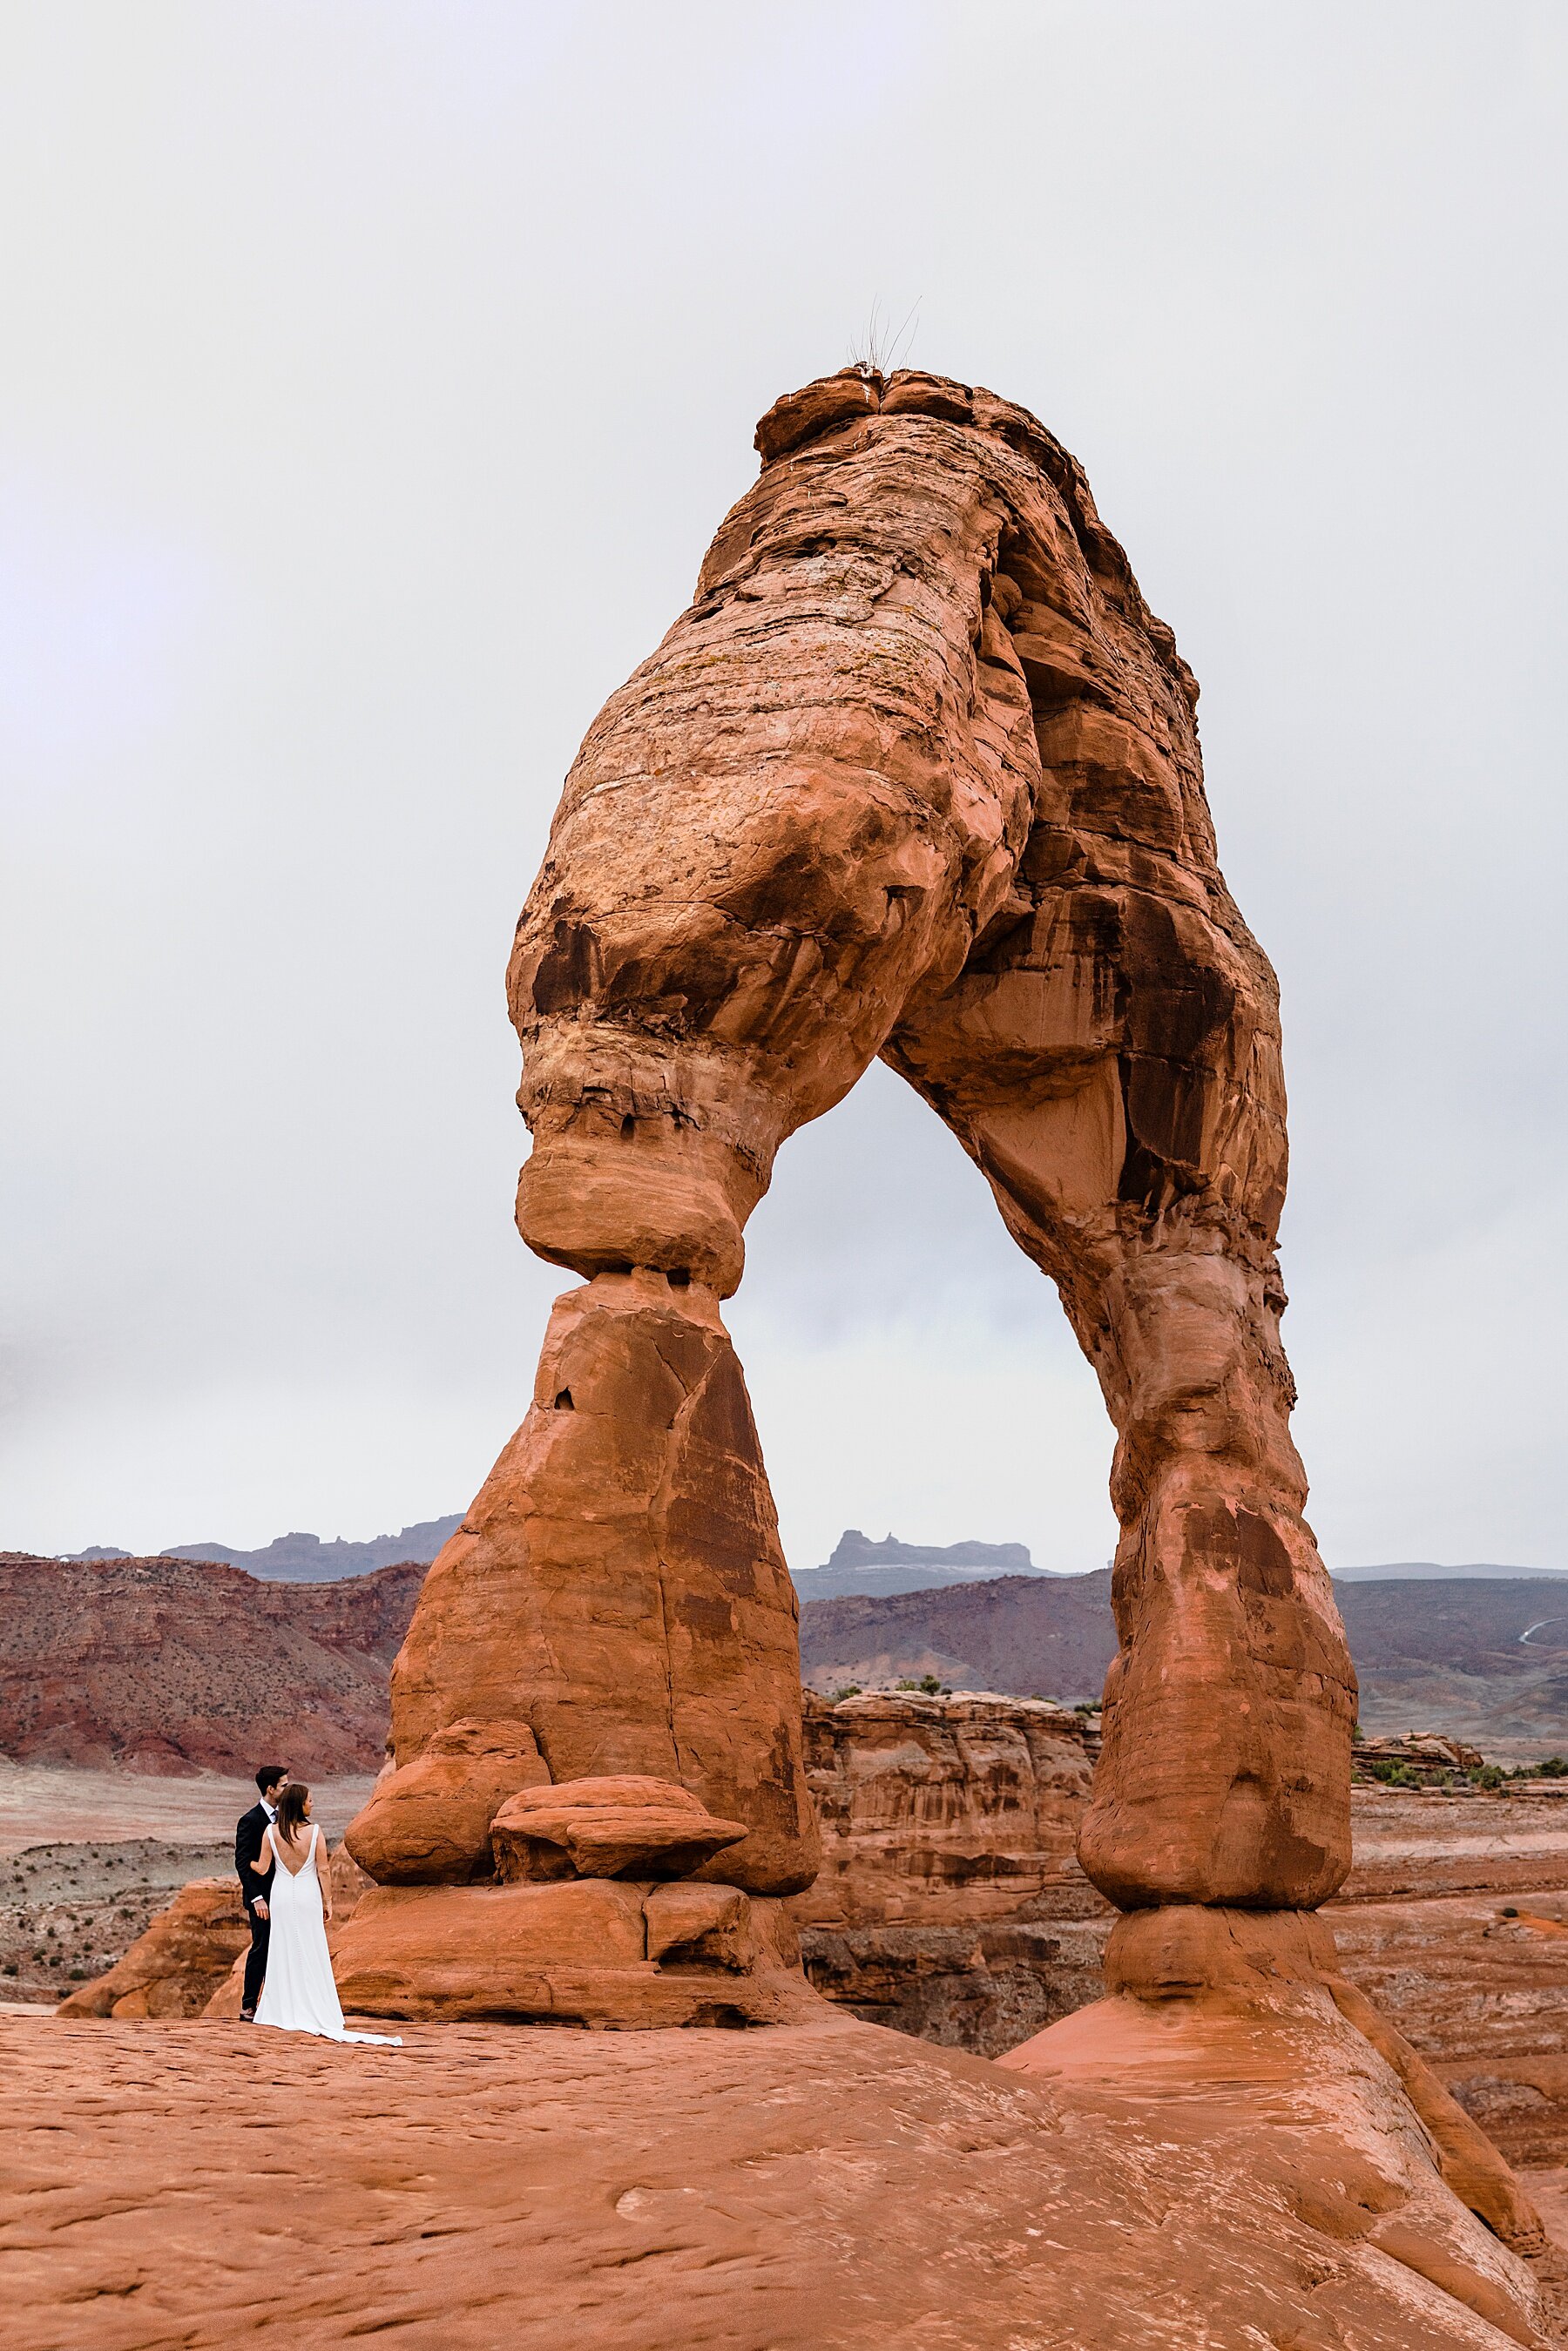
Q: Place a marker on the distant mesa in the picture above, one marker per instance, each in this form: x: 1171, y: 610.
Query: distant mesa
x: 1427, y: 1570
x: 305, y: 1558
x: 878, y: 1570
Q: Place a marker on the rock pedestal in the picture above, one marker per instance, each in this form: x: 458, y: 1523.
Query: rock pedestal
x: 619, y: 1582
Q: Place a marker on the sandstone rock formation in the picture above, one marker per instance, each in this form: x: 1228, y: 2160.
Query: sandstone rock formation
x: 428, y: 1823
x: 178, y: 1965
x: 1244, y: 2012
x: 583, y: 1951
x: 915, y: 775
x: 620, y: 1579
x: 612, y: 1827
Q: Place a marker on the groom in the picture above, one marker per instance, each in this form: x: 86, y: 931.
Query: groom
x: 249, y: 1830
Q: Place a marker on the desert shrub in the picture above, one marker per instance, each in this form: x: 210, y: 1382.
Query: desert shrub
x: 850, y: 1690
x: 1489, y: 1776
x: 1555, y: 1768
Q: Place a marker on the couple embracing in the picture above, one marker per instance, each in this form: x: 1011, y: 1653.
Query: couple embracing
x: 281, y: 1857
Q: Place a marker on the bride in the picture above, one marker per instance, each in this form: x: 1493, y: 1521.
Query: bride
x: 299, y: 1994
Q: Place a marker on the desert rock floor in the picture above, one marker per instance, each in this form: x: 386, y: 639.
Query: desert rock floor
x: 43, y: 1804
x: 819, y: 2186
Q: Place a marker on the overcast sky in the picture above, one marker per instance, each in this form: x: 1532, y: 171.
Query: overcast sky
x: 376, y: 375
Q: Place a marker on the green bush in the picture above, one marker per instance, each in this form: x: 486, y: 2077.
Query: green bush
x: 1491, y: 1775
x: 1555, y: 1768
x: 850, y: 1690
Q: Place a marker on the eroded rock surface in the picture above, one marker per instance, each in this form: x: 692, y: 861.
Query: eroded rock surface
x: 580, y: 1950
x: 625, y: 1827
x: 950, y: 1903
x: 826, y: 2188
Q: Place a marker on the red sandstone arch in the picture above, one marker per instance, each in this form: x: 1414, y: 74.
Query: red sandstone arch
x: 916, y: 776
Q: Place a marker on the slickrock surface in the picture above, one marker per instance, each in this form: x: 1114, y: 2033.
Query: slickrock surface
x: 165, y: 1666
x: 788, y: 2189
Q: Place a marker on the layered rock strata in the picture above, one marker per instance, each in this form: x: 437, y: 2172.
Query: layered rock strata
x: 950, y: 1904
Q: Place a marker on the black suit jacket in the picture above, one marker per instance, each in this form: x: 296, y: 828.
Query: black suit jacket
x: 250, y: 1831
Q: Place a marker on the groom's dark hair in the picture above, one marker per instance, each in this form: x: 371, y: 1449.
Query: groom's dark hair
x: 269, y: 1775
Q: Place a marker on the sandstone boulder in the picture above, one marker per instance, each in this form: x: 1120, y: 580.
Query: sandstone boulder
x: 706, y: 1923
x: 179, y: 1963
x: 624, y: 1826
x: 428, y: 1823
x: 576, y: 1950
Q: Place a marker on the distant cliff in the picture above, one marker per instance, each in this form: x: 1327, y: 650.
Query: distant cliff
x: 306, y: 1559
x: 865, y: 1569
x: 167, y: 1667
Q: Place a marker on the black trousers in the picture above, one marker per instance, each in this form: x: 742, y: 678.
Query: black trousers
x: 255, y: 1959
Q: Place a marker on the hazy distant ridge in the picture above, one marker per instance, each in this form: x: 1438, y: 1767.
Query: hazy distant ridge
x: 859, y: 1564
x: 306, y: 1559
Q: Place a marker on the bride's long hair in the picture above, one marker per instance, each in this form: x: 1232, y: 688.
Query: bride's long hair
x: 292, y: 1809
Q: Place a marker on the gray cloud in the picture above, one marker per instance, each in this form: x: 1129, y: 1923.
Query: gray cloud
x: 377, y: 377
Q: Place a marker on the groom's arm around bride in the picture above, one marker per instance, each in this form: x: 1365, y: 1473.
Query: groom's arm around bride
x: 250, y: 1831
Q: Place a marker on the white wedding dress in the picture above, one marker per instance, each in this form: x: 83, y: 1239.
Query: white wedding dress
x: 300, y: 1995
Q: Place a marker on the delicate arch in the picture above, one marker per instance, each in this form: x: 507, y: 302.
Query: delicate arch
x: 916, y: 775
